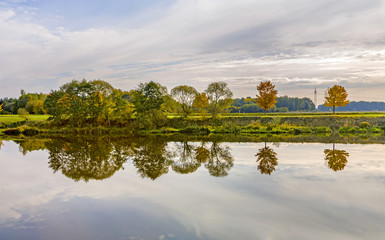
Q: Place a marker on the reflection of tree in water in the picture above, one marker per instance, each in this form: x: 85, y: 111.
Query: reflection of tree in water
x: 186, y: 161
x: 1, y: 144
x: 85, y: 159
x: 219, y: 161
x: 202, y: 153
x: 152, y: 158
x: 336, y: 159
x: 99, y: 158
x: 30, y: 145
x: 267, y: 159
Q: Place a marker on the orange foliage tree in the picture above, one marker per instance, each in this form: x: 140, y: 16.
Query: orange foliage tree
x: 267, y: 95
x: 336, y: 97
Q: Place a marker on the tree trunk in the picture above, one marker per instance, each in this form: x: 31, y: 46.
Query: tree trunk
x: 334, y: 109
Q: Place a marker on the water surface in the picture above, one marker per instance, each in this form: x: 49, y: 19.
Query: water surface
x: 155, y: 189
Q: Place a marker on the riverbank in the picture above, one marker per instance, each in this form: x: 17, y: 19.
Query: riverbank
x: 245, y: 124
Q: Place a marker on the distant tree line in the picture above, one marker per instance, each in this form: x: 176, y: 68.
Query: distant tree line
x: 357, y: 106
x: 31, y: 102
x: 283, y: 104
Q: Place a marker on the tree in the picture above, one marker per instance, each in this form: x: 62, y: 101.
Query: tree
x: 267, y: 96
x: 1, y: 107
x: 148, y: 100
x: 201, y: 102
x: 185, y: 95
x: 94, y: 102
x: 336, y: 97
x: 23, y: 113
x: 219, y: 96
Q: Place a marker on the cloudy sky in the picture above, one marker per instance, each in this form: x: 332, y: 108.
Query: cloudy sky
x: 297, y: 44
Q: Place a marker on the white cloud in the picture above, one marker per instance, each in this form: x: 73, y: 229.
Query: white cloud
x: 195, y: 42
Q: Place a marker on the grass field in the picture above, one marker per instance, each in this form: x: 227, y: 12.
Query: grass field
x: 9, y: 119
x: 289, y: 114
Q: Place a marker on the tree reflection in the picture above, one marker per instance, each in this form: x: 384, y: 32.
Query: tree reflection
x: 152, y: 158
x: 202, y: 153
x: 219, y: 161
x: 186, y: 159
x: 267, y: 159
x: 86, y: 159
x: 336, y: 159
x: 99, y: 158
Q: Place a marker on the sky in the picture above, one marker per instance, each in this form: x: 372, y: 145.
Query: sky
x: 298, y: 45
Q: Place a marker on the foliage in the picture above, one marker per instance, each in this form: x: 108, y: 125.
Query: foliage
x: 185, y: 96
x: 219, y: 96
x: 267, y: 95
x: 23, y: 113
x: 148, y: 96
x: 336, y: 97
x: 94, y: 102
x: 201, y: 102
x: 284, y: 104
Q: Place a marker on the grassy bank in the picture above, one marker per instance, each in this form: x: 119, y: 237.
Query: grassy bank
x: 246, y: 124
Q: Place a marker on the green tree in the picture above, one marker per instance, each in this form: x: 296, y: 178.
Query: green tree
x: 185, y: 96
x: 267, y: 95
x: 147, y: 97
x: 336, y: 97
x: 94, y: 102
x: 219, y: 96
x: 23, y: 113
x: 148, y: 100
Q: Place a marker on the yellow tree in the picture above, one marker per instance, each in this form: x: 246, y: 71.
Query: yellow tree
x: 267, y: 95
x: 1, y: 107
x: 201, y: 102
x: 336, y: 97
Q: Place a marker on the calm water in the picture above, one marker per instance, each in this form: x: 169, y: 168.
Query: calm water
x: 154, y: 189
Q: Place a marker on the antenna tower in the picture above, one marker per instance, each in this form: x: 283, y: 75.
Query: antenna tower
x: 315, y: 99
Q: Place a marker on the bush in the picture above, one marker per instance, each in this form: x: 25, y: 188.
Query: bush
x: 365, y: 125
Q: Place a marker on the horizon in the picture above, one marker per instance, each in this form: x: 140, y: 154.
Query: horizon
x: 297, y: 45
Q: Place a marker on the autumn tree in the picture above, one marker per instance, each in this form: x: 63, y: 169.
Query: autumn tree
x: 219, y: 96
x: 185, y: 96
x: 1, y: 107
x: 94, y: 102
x: 267, y: 95
x: 201, y: 102
x: 336, y: 96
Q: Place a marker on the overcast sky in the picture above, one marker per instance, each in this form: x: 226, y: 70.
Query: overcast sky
x: 296, y: 44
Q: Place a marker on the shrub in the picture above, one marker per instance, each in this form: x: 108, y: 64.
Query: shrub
x: 364, y: 125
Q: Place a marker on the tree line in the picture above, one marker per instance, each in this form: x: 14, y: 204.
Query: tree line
x: 97, y: 103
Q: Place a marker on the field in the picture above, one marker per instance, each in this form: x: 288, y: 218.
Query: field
x: 9, y: 119
x: 287, y: 115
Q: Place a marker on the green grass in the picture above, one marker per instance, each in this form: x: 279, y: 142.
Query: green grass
x: 9, y: 119
x: 289, y: 114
